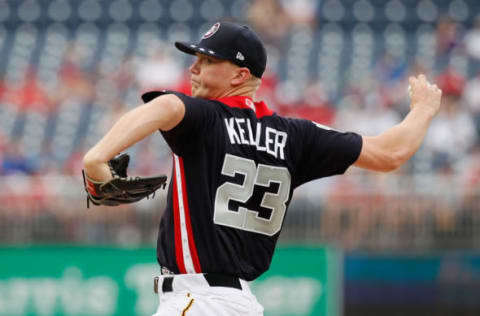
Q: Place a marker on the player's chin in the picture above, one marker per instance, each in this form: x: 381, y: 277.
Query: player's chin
x: 198, y: 93
x: 195, y: 93
x: 194, y: 90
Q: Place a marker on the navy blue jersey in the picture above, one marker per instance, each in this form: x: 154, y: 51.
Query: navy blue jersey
x: 236, y: 164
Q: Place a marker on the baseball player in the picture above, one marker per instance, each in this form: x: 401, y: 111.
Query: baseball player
x: 235, y: 166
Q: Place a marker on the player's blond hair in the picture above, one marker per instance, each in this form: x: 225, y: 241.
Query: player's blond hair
x: 249, y: 87
x: 254, y: 82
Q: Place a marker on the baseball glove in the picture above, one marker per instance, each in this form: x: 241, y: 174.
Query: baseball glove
x: 121, y: 189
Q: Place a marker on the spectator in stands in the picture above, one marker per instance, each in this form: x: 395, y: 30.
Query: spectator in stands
x: 471, y: 97
x: 124, y: 75
x: 73, y: 81
x: 27, y: 94
x: 159, y: 71
x: 14, y: 161
x: 44, y: 161
x: 301, y: 12
x: 447, y: 38
x: 3, y: 140
x: 313, y: 104
x: 472, y: 40
x: 470, y: 174
x: 270, y: 21
x: 73, y: 165
x: 389, y: 79
x: 356, y: 110
x: 150, y: 164
x: 452, y: 134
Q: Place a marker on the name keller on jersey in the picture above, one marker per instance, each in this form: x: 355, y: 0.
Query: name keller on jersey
x: 270, y: 141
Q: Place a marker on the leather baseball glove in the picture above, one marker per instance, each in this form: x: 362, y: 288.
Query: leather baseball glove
x: 121, y: 189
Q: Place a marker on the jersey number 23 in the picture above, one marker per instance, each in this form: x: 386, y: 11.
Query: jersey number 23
x: 263, y: 175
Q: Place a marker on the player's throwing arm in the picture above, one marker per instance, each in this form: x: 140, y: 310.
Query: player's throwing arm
x: 389, y: 150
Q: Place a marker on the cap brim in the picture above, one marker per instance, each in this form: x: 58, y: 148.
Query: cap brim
x: 185, y: 47
x: 192, y: 48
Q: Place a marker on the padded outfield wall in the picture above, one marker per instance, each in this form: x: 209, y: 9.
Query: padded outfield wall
x: 78, y: 281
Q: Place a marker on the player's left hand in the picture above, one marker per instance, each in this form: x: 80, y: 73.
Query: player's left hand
x: 121, y: 189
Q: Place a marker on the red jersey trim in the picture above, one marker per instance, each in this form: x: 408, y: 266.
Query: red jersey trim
x: 185, y: 249
x: 191, y: 239
x: 176, y: 223
x: 239, y: 101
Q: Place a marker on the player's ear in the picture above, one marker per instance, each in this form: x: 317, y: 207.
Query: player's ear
x: 240, y: 76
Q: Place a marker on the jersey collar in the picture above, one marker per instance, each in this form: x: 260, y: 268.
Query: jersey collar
x: 243, y: 102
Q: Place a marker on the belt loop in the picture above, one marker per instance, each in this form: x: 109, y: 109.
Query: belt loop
x: 167, y: 284
x: 155, y: 284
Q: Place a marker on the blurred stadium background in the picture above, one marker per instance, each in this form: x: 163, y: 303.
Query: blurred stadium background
x: 359, y: 244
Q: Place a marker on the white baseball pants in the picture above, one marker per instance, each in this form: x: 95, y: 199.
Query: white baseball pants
x: 191, y: 295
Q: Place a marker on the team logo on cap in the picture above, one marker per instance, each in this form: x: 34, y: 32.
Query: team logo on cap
x: 212, y: 30
x: 240, y: 56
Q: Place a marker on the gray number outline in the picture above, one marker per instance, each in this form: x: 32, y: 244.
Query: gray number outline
x: 262, y: 175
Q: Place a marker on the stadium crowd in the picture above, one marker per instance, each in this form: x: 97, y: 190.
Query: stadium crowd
x: 440, y: 183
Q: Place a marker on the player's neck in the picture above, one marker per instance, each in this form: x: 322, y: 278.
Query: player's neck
x: 246, y: 91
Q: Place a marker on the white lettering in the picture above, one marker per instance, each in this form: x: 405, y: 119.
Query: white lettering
x: 17, y: 296
x: 250, y: 133
x: 240, y: 121
x: 257, y: 139
x: 269, y: 140
x: 240, y: 132
x: 280, y: 142
x: 71, y: 294
x: 289, y: 295
x: 232, y: 134
x: 44, y: 296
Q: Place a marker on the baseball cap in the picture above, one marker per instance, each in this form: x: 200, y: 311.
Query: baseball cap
x: 232, y: 42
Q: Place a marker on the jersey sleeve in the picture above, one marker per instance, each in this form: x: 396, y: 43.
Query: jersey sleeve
x: 322, y: 151
x: 189, y: 133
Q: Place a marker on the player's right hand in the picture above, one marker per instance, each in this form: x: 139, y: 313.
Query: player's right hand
x: 424, y: 95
